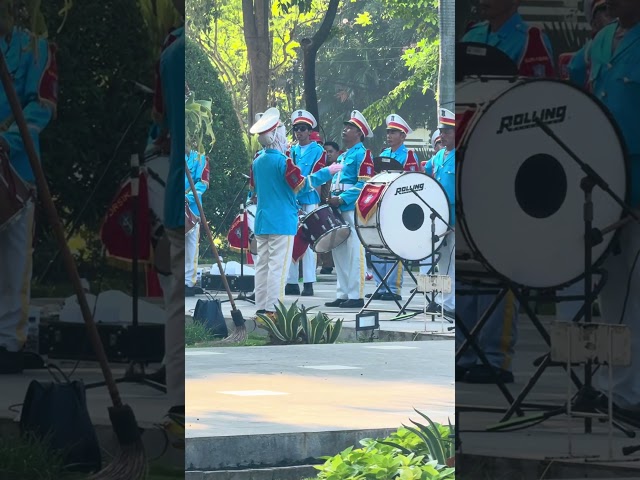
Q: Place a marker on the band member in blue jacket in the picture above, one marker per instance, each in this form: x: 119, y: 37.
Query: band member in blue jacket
x: 310, y: 157
x: 199, y: 169
x: 32, y: 63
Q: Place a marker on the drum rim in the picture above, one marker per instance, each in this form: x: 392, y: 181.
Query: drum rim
x: 461, y: 218
x: 341, y: 227
x: 358, y: 226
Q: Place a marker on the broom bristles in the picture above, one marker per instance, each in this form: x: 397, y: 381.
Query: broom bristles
x: 238, y: 335
x: 130, y: 463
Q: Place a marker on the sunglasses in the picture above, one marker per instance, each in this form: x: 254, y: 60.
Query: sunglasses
x: 300, y: 128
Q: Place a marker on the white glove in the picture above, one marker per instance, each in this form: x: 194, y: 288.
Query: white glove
x: 335, y: 168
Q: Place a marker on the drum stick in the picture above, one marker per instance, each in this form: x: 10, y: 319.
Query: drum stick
x: 615, y: 226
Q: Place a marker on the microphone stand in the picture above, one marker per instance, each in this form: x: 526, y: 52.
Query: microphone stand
x: 592, y: 237
x: 434, y: 239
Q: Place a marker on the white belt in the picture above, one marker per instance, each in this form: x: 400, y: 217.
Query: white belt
x: 341, y: 187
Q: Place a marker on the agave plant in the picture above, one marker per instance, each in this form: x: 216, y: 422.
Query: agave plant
x: 436, y: 442
x: 293, y: 325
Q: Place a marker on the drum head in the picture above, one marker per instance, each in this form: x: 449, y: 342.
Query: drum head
x: 330, y: 240
x: 381, y: 164
x: 481, y: 59
x: 519, y: 192
x: 404, y: 220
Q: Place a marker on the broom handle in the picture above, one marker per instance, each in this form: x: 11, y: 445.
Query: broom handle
x: 203, y: 220
x: 52, y: 215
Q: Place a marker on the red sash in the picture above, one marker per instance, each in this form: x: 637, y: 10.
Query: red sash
x: 536, y: 61
x: 116, y: 231
x: 368, y: 200
x: 239, y: 230
x: 366, y: 167
x: 411, y: 165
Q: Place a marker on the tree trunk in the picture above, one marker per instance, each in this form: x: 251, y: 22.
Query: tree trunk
x: 255, y: 14
x: 310, y: 50
x: 446, y: 75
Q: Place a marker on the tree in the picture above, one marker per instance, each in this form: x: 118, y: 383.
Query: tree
x: 256, y: 34
x: 446, y: 75
x: 310, y: 51
x: 228, y: 155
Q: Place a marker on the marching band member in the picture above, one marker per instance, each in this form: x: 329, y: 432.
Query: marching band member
x: 597, y: 14
x: 172, y: 80
x: 530, y: 49
x: 276, y: 180
x: 436, y: 145
x: 32, y: 62
x: 333, y: 150
x: 348, y: 257
x: 199, y: 169
x: 504, y: 29
x: 397, y: 131
x: 442, y: 167
x: 614, y: 78
x: 310, y: 157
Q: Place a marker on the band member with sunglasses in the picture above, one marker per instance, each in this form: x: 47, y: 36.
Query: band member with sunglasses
x: 310, y: 157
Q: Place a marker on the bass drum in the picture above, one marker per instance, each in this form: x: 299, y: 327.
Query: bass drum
x: 518, y: 191
x: 392, y: 222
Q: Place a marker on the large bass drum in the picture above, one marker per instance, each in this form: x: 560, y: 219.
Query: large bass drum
x: 518, y: 192
x: 392, y: 222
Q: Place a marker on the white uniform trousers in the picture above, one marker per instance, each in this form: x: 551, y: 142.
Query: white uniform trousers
x: 447, y: 266
x: 174, y: 327
x: 16, y: 252
x: 274, y: 252
x: 309, y: 259
x: 626, y: 380
x: 348, y: 258
x: 192, y: 245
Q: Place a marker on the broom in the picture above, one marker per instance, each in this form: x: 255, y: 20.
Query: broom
x: 130, y: 462
x: 240, y: 330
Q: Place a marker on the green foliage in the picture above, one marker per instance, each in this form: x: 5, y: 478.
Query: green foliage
x: 160, y: 17
x: 29, y: 458
x: 406, y: 454
x: 96, y: 104
x: 293, y: 325
x: 228, y: 156
x: 198, y: 119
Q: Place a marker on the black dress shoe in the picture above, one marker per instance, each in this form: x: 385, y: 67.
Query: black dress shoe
x: 292, y: 289
x: 390, y: 297
x: 326, y: 270
x: 11, y: 362
x: 483, y: 374
x: 336, y: 303
x: 374, y: 296
x: 261, y: 311
x: 353, y: 303
x: 307, y: 291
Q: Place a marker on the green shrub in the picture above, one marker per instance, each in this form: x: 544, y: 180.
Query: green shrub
x: 408, y: 454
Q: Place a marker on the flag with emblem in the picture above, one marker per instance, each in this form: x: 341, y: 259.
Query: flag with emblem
x: 293, y: 176
x: 366, y: 170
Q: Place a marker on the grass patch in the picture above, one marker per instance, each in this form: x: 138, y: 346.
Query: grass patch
x: 30, y: 458
x: 197, y: 335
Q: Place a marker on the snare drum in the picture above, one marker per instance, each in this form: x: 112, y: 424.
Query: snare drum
x: 325, y: 229
x: 15, y: 194
x: 518, y: 191
x: 392, y: 222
